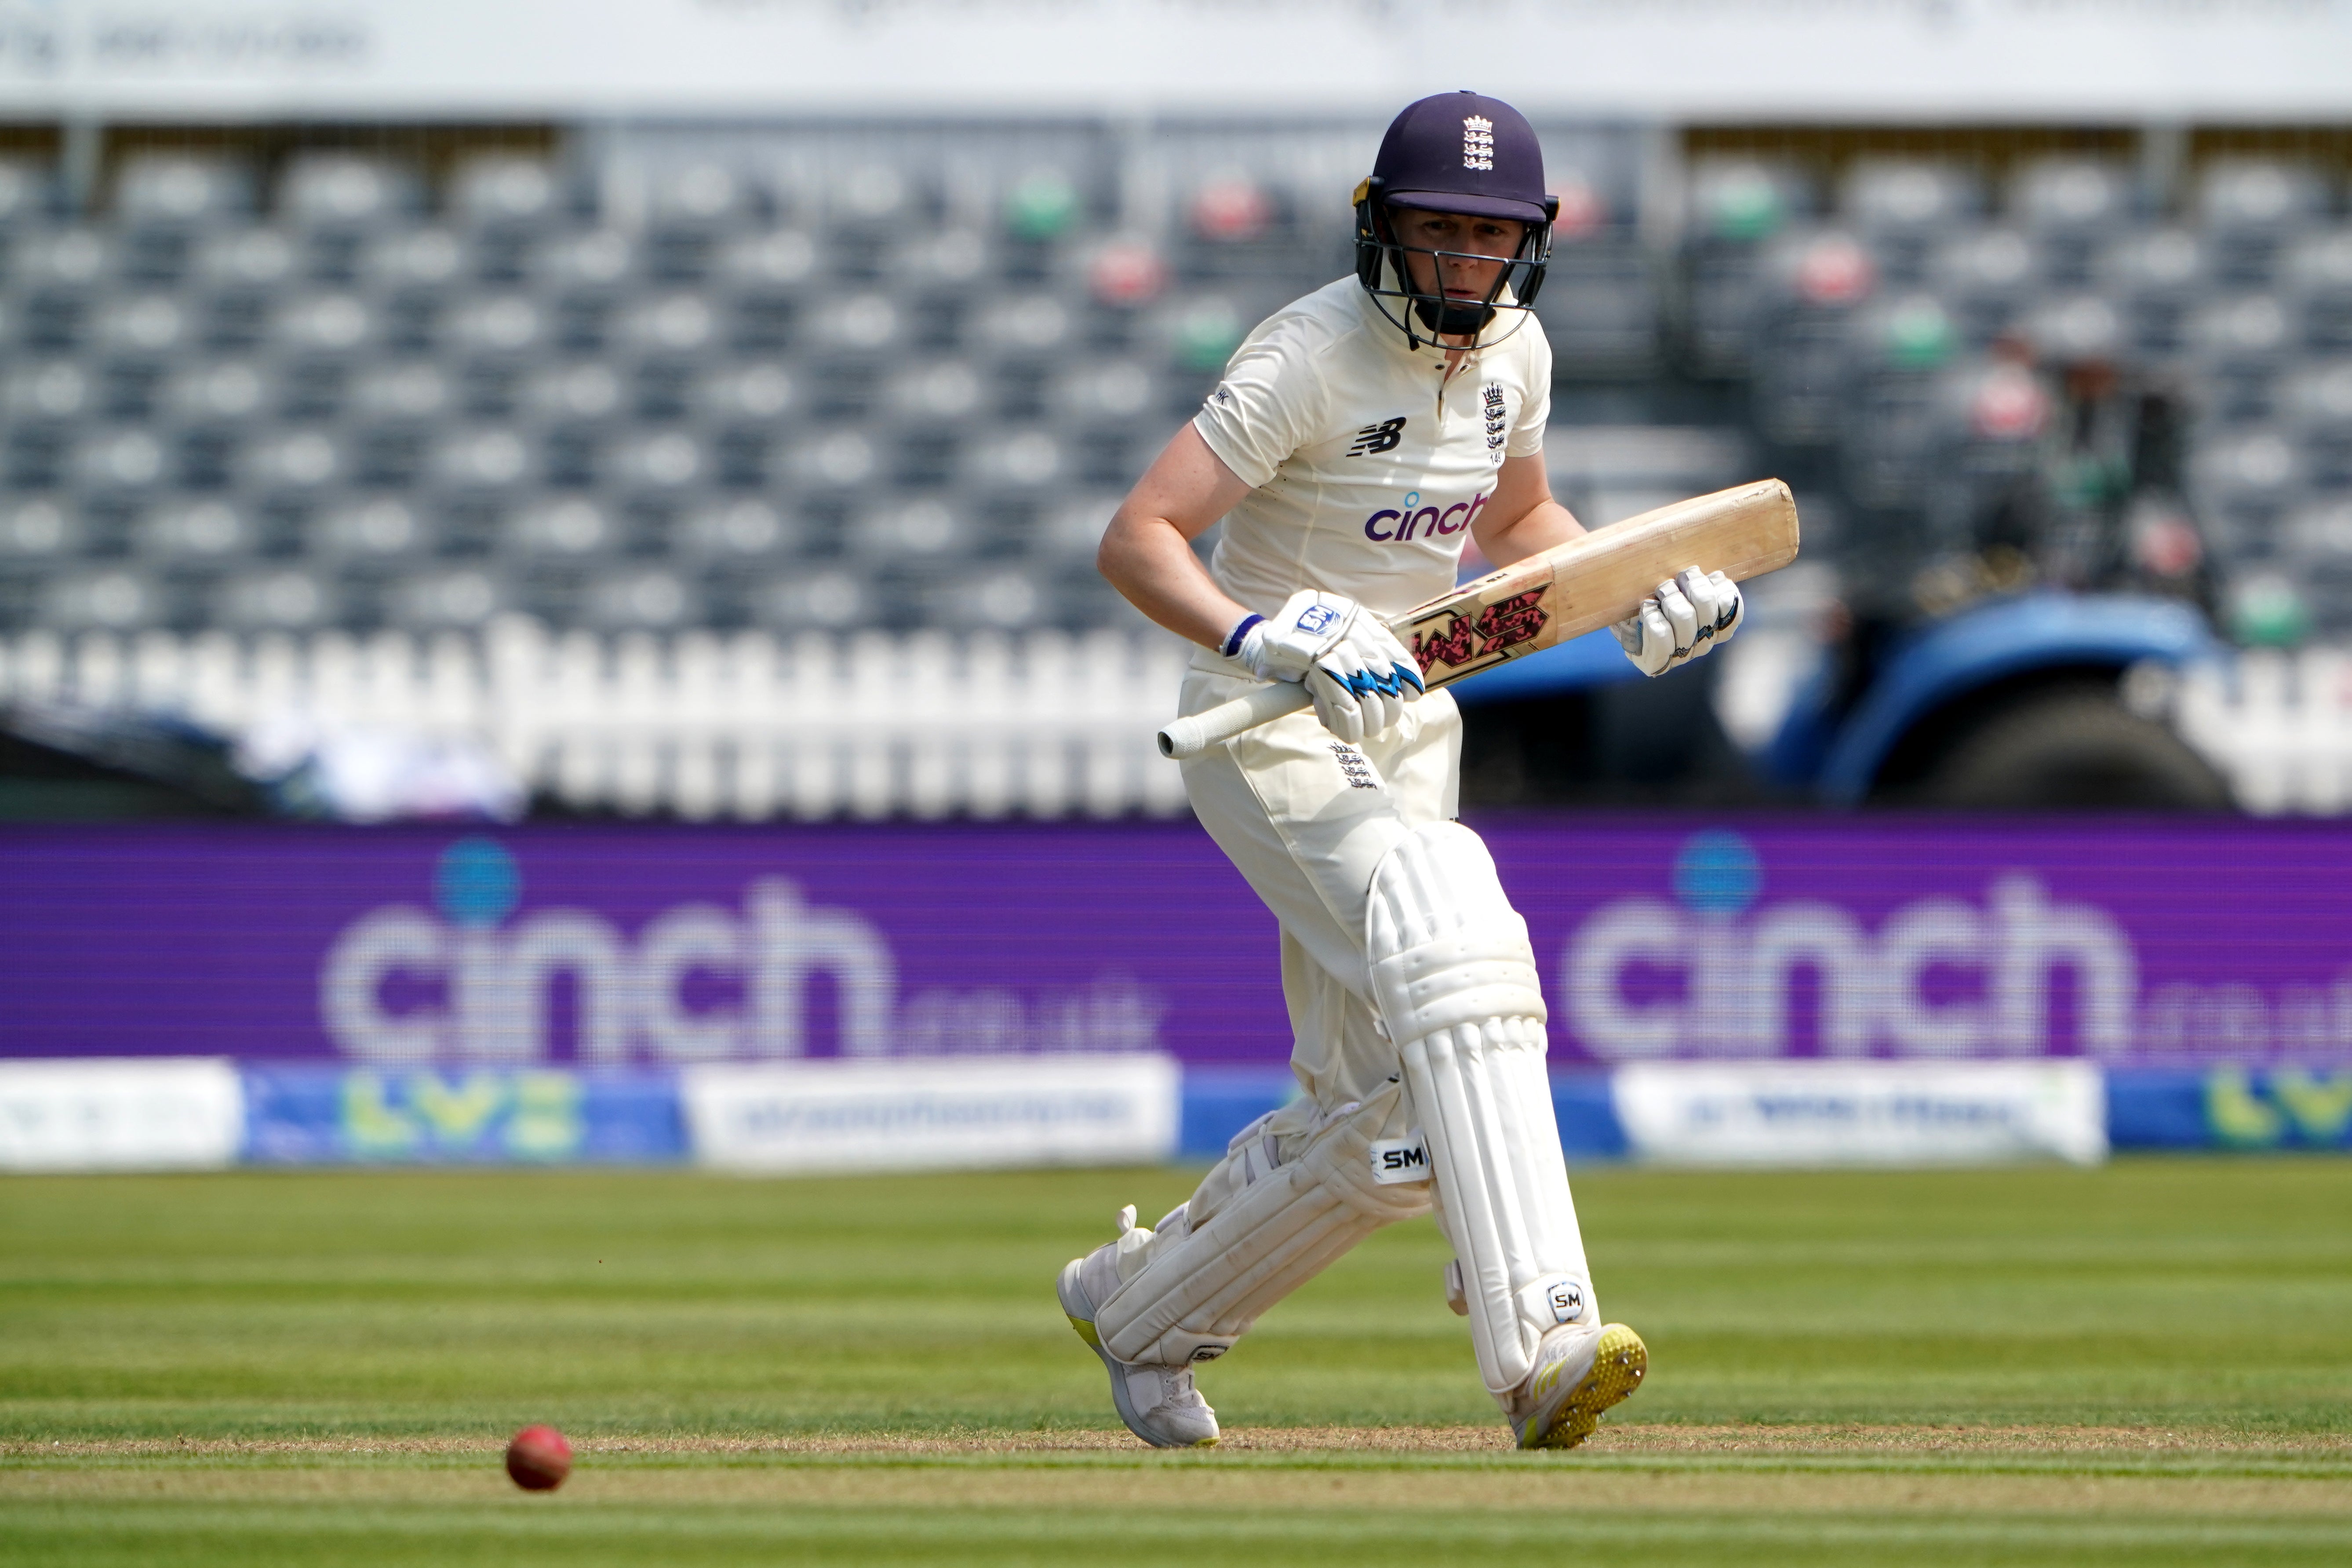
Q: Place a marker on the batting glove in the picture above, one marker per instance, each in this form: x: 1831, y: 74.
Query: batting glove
x: 1358, y: 673
x: 1690, y: 614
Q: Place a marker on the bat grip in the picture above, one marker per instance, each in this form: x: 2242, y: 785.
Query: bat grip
x: 1189, y: 737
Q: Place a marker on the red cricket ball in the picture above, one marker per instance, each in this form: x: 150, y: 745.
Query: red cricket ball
x: 539, y: 1459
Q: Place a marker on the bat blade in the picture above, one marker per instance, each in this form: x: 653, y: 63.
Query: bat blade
x: 1589, y: 583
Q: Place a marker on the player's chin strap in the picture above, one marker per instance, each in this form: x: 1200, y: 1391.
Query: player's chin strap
x: 1455, y: 980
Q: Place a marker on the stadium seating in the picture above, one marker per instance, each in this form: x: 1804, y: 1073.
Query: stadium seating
x: 766, y: 386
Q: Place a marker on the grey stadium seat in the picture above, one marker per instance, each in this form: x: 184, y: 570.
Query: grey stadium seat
x: 912, y: 529
x: 755, y: 392
x: 1071, y: 530
x: 110, y: 598
x: 1902, y: 207
x: 562, y: 528
x: 857, y: 324
x: 178, y: 191
x: 222, y: 390
x: 484, y: 460
x: 330, y: 323
x: 38, y: 533
x: 130, y: 460
x: 1001, y: 598
x: 1119, y: 394
x: 2069, y: 207
x: 2239, y: 346
x: 414, y: 259
x: 70, y: 260
x: 675, y: 323
x: 418, y: 391
x: 206, y: 531
x: 276, y: 598
x: 2316, y: 543
x: 1600, y: 306
x: 728, y: 535
x: 938, y: 391
x: 370, y: 532
x: 502, y: 192
x: 54, y: 392
x: 1897, y: 350
x: 833, y: 460
x: 509, y: 326
x: 2155, y: 276
x: 450, y: 598
x: 346, y: 191
x: 668, y: 463
x: 2244, y: 482
x: 766, y: 261
x: 2315, y: 277
x: 1022, y: 461
x: 2315, y: 409
x: 815, y: 597
x: 2247, y: 207
x: 241, y: 258
x: 150, y: 325
x: 704, y: 196
x: 573, y: 392
x: 1985, y: 276
x: 640, y: 598
x: 1024, y: 326
x: 2075, y: 329
x: 296, y: 461
x: 593, y: 261
x: 29, y: 194
x: 1808, y: 284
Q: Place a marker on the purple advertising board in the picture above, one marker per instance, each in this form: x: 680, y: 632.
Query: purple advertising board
x: 2147, y: 942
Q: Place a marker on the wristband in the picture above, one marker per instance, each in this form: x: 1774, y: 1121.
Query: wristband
x: 1234, y: 643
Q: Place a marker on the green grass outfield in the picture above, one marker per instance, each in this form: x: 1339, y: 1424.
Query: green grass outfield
x: 2148, y: 1364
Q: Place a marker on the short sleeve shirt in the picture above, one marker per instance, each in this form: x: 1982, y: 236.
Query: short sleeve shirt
x: 1368, y: 463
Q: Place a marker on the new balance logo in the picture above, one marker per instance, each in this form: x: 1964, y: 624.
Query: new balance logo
x: 1384, y: 436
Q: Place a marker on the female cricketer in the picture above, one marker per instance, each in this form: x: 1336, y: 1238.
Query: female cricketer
x: 1358, y: 439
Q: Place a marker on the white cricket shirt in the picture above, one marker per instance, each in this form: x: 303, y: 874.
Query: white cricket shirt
x: 1367, y: 462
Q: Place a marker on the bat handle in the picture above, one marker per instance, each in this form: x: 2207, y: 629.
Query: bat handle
x: 1189, y: 737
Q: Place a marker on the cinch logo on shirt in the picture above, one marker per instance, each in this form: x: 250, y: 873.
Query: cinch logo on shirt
x: 1414, y: 518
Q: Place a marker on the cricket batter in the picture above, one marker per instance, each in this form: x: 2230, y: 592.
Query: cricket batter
x: 1359, y: 437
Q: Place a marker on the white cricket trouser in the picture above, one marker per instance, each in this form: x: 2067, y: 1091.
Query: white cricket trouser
x: 1314, y: 825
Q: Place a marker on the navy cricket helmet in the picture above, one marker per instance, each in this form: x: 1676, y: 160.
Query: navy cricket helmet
x: 1455, y: 153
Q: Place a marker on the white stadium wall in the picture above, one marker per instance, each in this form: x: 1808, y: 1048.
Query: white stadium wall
x: 1704, y: 60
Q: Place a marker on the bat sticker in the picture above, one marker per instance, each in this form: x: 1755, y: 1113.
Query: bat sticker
x: 1499, y: 628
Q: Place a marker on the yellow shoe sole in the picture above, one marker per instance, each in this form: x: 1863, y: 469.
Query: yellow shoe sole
x: 1619, y: 1363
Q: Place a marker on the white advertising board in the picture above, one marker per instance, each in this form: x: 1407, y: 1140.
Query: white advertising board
x: 1712, y: 59
x: 1861, y: 1113
x: 173, y: 1114
x: 941, y: 1113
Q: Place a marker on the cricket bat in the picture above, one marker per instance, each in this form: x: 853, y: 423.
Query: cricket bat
x: 1588, y: 582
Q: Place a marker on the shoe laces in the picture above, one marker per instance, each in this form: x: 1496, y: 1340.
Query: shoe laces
x: 1177, y: 1392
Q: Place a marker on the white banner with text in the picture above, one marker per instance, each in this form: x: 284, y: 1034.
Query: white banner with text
x: 940, y: 1113
x: 167, y: 1114
x: 1861, y: 1113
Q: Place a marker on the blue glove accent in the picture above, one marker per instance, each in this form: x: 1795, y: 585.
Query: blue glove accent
x: 1390, y: 684
x: 1234, y: 643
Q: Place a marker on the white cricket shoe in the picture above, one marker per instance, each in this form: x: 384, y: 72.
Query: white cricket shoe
x: 1159, y: 1404
x: 1579, y: 1373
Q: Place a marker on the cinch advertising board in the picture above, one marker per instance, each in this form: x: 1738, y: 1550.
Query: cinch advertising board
x: 2148, y: 944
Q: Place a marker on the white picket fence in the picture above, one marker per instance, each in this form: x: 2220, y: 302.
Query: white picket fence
x: 2278, y: 725
x: 700, y: 725
x: 746, y: 725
